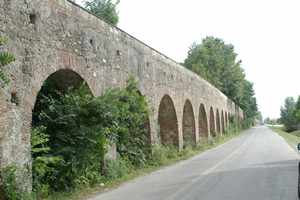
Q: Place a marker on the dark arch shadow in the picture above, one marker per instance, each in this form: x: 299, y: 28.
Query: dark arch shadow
x: 226, y: 120
x: 218, y: 122
x: 188, y: 125
x: 203, y: 125
x: 223, y: 122
x: 212, y: 126
x: 60, y: 81
x: 168, y: 124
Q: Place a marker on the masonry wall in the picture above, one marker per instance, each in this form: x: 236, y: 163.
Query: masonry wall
x: 48, y: 35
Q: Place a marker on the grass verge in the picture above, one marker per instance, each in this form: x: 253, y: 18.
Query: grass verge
x: 171, y: 158
x: 292, y: 138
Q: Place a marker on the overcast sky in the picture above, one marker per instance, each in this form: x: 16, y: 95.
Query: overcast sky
x: 265, y: 33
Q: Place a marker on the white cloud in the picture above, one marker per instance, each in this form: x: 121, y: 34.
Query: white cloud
x: 264, y: 33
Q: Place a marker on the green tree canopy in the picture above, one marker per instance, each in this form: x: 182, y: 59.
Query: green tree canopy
x: 298, y: 110
x: 217, y: 62
x: 105, y: 9
x: 287, y: 113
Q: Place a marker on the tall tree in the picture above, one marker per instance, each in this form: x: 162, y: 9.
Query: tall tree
x: 297, y: 112
x: 105, y: 9
x: 288, y: 114
x: 217, y: 62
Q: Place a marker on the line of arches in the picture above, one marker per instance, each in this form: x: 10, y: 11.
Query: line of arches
x: 212, y: 124
x: 209, y: 123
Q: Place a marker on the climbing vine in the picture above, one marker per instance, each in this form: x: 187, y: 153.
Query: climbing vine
x: 5, y: 59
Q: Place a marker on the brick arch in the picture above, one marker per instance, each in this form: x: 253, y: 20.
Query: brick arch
x: 222, y: 122
x: 218, y: 122
x: 212, y: 123
x: 167, y: 120
x: 203, y: 125
x: 188, y: 124
x: 62, y: 80
x: 41, y: 76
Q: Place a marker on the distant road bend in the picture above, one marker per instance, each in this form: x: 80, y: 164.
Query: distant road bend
x: 258, y: 165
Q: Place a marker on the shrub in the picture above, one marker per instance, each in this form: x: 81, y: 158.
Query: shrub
x: 10, y: 186
x: 162, y: 154
x: 43, y: 164
x: 117, y: 168
x: 76, y: 127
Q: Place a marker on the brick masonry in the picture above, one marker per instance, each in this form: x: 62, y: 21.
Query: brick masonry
x: 50, y: 35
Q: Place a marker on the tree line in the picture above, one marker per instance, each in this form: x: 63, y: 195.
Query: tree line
x: 217, y: 62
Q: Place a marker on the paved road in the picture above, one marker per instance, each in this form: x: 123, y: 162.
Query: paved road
x: 258, y: 165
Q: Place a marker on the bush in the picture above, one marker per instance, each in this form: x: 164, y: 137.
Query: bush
x: 75, y: 128
x: 117, y: 168
x: 43, y: 165
x: 10, y: 186
x: 162, y: 154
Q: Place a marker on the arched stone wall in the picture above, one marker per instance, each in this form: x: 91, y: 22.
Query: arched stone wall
x: 64, y: 36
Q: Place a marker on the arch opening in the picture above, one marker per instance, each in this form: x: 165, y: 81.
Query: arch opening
x: 168, y: 124
x: 203, y: 125
x: 223, y: 122
x: 56, y: 128
x: 226, y: 120
x: 212, y: 125
x: 188, y: 125
x: 218, y: 121
x: 78, y: 127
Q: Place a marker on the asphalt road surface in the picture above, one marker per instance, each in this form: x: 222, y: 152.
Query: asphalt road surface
x: 258, y: 165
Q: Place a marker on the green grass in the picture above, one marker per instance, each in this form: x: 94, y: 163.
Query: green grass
x: 84, y: 192
x: 292, y: 138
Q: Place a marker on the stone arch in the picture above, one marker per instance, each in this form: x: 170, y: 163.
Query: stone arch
x: 167, y: 120
x: 223, y: 122
x: 61, y: 80
x: 212, y: 123
x: 188, y: 124
x: 203, y: 125
x: 218, y: 121
x: 226, y: 119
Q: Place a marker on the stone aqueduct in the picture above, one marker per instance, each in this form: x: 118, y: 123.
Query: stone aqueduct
x: 58, y: 38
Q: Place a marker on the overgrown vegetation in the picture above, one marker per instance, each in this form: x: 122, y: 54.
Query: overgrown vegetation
x: 121, y: 170
x: 72, y: 131
x: 217, y: 62
x: 104, y: 9
x: 5, y: 59
x: 290, y: 114
x: 10, y: 186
